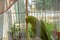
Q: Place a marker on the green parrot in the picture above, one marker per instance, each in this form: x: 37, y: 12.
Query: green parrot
x: 33, y: 21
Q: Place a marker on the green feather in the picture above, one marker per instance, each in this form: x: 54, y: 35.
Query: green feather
x: 33, y: 21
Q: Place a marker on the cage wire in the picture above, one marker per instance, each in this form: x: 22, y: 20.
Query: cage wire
x: 49, y: 12
x: 46, y: 10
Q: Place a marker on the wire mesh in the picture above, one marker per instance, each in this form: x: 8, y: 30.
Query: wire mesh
x: 46, y: 10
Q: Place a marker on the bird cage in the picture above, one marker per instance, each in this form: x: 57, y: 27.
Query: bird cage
x: 32, y: 20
